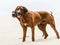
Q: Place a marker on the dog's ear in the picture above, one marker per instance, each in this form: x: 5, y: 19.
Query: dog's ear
x: 25, y: 10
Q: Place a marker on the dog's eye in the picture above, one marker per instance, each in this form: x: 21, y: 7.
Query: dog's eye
x: 17, y: 9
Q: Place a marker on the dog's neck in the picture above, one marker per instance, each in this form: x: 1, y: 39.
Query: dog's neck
x: 22, y: 21
x: 24, y: 13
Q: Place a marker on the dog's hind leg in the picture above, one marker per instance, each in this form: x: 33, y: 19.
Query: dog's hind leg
x: 52, y: 24
x: 43, y: 29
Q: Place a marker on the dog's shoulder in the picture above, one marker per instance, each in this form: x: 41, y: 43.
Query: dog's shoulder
x: 33, y: 13
x: 29, y: 13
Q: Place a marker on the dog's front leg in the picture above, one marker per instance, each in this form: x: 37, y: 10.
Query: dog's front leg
x: 33, y: 33
x: 24, y: 33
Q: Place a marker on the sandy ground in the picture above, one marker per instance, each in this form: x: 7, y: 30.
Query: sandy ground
x: 11, y: 33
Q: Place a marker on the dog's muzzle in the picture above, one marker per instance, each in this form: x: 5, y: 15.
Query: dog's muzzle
x: 16, y: 14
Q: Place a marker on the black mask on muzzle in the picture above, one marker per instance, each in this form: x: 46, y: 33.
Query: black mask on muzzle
x: 14, y: 14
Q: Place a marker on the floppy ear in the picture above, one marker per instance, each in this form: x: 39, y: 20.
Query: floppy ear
x: 25, y: 10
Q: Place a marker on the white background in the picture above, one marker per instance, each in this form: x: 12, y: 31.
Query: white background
x: 10, y: 30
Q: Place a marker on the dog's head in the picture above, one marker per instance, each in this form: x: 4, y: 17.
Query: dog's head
x: 19, y: 11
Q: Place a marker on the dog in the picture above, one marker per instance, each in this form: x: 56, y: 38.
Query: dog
x: 31, y: 19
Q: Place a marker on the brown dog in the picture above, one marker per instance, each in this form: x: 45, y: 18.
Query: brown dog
x: 31, y: 19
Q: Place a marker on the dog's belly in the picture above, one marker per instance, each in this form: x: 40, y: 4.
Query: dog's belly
x: 37, y: 23
x: 37, y: 20
x: 27, y: 25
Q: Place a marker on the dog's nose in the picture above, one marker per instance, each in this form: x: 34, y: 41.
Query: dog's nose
x: 13, y: 12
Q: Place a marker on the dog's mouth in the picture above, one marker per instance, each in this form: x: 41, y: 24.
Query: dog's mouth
x: 18, y: 16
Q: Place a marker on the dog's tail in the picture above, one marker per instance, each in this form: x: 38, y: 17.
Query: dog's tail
x: 52, y: 17
x: 51, y: 12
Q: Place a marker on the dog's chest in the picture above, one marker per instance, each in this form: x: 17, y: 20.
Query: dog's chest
x: 23, y: 22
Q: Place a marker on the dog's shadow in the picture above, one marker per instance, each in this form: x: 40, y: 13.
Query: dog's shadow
x: 44, y: 40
